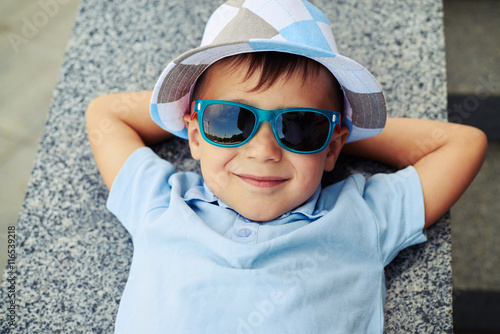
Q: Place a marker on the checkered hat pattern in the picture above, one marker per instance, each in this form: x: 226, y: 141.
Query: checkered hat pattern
x: 291, y: 26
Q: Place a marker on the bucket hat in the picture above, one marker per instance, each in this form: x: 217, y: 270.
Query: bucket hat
x: 290, y: 26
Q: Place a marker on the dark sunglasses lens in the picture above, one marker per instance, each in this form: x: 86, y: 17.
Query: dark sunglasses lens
x: 303, y: 131
x: 226, y: 124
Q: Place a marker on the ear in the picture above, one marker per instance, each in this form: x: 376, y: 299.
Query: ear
x: 339, y: 137
x: 194, y: 135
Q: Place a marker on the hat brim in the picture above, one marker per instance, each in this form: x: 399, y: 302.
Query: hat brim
x: 364, y: 111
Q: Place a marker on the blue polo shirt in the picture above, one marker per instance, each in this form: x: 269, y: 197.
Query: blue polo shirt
x: 200, y: 267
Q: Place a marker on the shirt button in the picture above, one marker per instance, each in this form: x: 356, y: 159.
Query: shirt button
x: 244, y: 232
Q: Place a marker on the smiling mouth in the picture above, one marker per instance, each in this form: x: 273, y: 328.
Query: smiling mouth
x: 262, y: 181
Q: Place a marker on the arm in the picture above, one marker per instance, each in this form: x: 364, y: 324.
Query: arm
x: 117, y: 125
x: 446, y: 156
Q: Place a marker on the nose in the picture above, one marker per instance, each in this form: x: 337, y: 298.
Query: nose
x: 263, y: 146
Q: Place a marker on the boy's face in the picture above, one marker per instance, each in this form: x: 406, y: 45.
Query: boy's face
x: 261, y: 180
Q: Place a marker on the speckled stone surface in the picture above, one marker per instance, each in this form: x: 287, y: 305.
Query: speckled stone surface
x: 73, y: 256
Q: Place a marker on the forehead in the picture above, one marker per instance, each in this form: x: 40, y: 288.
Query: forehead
x: 223, y: 83
x: 247, y: 74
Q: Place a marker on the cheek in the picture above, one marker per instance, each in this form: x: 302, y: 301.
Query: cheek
x: 213, y: 176
x: 310, y: 173
x: 214, y: 161
x: 311, y: 168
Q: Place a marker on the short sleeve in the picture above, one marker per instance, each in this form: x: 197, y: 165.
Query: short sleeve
x: 398, y: 205
x: 141, y: 185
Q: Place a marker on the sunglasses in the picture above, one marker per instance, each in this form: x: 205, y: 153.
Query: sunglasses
x: 232, y: 124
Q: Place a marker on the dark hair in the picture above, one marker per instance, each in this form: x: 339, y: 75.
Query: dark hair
x: 273, y: 66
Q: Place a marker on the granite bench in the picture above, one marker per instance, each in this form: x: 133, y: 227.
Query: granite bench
x: 73, y: 256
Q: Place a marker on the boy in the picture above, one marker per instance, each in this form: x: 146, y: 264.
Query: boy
x: 254, y: 245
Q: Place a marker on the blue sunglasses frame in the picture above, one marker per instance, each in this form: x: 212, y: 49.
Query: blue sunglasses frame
x: 262, y: 115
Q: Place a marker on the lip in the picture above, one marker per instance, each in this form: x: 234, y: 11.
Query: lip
x: 262, y: 181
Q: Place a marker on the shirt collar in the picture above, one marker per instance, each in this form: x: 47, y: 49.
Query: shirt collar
x: 201, y: 193
x: 308, y: 209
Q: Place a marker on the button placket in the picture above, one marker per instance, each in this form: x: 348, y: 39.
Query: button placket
x: 245, y: 231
